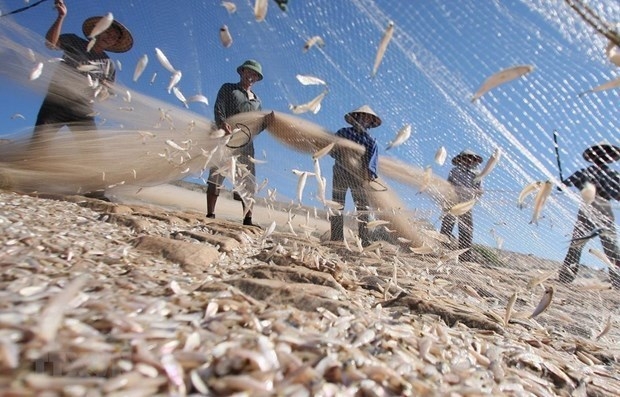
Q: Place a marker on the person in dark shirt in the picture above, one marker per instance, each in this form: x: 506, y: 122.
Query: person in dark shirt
x: 597, y: 218
x: 82, y: 74
x: 462, y: 177
x: 234, y: 98
x: 352, y: 172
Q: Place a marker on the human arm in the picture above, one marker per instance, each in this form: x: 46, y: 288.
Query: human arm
x: 373, y: 156
x: 53, y: 34
x: 219, y: 109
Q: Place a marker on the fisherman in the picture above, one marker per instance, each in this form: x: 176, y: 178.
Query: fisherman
x: 462, y: 177
x: 597, y: 218
x: 232, y: 99
x: 352, y: 171
x: 71, y: 93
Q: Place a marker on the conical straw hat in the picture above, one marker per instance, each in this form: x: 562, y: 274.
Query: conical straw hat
x: 351, y: 117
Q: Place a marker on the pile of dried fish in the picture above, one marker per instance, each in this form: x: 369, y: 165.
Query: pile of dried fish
x: 88, y: 309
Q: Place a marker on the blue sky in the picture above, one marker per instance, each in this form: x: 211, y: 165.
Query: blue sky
x: 439, y: 55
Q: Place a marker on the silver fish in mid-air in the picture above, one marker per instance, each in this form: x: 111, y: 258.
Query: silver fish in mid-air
x: 527, y: 190
x: 613, y: 53
x: 230, y: 6
x: 441, y: 155
x: 462, y: 208
x: 35, y: 73
x: 502, y: 77
x: 140, y: 66
x: 198, y: 98
x: 174, y: 80
x: 614, y: 83
x: 312, y: 41
x: 102, y: 25
x: 163, y: 59
x: 541, y: 198
x: 401, y: 136
x: 313, y: 106
x: 544, y: 303
x: 310, y: 80
x: 489, y: 166
x: 588, y: 193
x: 385, y: 40
x: 323, y: 151
x: 260, y: 10
x: 225, y: 36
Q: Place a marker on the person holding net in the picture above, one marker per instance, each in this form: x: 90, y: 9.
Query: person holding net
x: 235, y: 98
x: 352, y: 171
x: 86, y: 71
x: 463, y: 177
x: 597, y: 218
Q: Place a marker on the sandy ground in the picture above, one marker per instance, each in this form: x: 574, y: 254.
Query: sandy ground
x: 176, y: 197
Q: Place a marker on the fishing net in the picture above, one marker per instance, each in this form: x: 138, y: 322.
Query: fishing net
x: 438, y: 57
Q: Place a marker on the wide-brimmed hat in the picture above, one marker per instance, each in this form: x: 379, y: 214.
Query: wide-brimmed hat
x: 252, y: 65
x: 467, y: 157
x: 351, y: 117
x: 123, y: 44
x: 603, y: 151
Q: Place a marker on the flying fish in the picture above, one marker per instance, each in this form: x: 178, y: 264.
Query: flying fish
x: 527, y: 190
x: 260, y: 10
x: 180, y: 96
x: 198, y: 98
x: 441, y: 155
x: 174, y: 80
x: 35, y: 73
x: 401, y: 136
x: 312, y: 41
x: 462, y: 208
x: 387, y: 36
x: 502, y: 77
x: 140, y: 66
x: 539, y: 201
x: 313, y: 106
x: 322, y: 152
x: 614, y: 83
x: 490, y: 165
x: 225, y: 36
x: 163, y: 60
x: 230, y: 6
x: 102, y: 25
x: 306, y: 79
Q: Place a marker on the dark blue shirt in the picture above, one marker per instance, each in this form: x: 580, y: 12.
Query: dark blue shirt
x: 606, y: 181
x: 233, y: 99
x: 370, y: 157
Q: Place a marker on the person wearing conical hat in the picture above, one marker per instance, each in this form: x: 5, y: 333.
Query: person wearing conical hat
x: 462, y: 177
x: 70, y: 96
x: 597, y: 218
x: 352, y: 171
x: 232, y: 99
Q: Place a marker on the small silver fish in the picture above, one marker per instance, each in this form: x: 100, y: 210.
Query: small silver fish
x: 611, y: 84
x: 509, y: 308
x: 490, y: 165
x: 502, y: 77
x: 102, y: 25
x: 180, y: 96
x: 441, y: 155
x: 301, y: 183
x: 140, y: 66
x: 35, y: 73
x: 544, y: 303
x: 322, y: 152
x: 527, y: 190
x: 385, y: 40
x: 198, y: 98
x: 174, y: 80
x: 310, y: 80
x: 588, y: 193
x: 260, y: 10
x: 225, y: 36
x: 230, y: 6
x: 312, y: 41
x: 313, y: 106
x: 462, y: 208
x: 163, y: 60
x: 608, y: 325
x: 401, y: 136
x: 601, y: 256
x: 539, y: 202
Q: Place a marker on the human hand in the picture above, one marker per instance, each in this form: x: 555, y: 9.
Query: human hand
x: 60, y: 7
x: 227, y: 129
x: 269, y: 118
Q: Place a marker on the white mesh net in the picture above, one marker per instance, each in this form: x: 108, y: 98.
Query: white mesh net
x: 439, y: 56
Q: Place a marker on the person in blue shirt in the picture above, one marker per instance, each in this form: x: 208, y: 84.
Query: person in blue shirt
x: 352, y: 171
x: 597, y: 218
x: 462, y: 177
x: 70, y: 96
